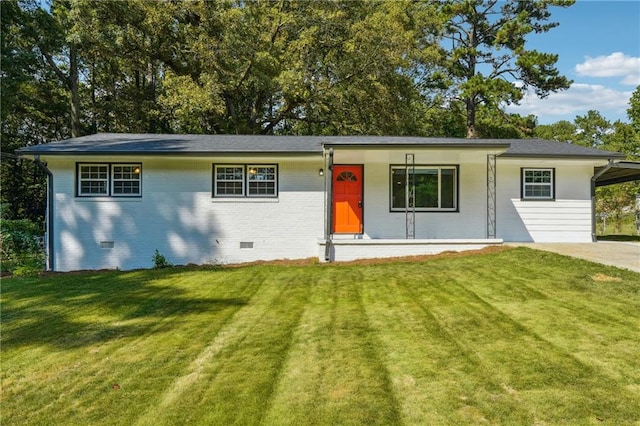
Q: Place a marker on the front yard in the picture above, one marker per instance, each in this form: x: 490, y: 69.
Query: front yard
x: 514, y: 336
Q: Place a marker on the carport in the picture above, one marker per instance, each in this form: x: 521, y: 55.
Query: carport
x: 614, y: 172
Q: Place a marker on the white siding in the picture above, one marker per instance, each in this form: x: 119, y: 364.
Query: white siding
x: 565, y: 219
x: 178, y: 216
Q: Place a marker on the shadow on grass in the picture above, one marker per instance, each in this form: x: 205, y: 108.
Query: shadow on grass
x: 72, y: 310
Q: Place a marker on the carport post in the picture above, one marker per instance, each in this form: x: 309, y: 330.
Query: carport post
x: 595, y: 177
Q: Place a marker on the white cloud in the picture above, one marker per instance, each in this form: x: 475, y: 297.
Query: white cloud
x: 577, y: 100
x: 615, y: 65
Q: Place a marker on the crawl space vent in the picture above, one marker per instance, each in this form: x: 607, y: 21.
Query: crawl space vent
x: 106, y: 244
x: 246, y: 244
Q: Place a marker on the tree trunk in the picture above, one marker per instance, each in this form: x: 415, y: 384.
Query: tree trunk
x: 471, y: 118
x: 73, y: 88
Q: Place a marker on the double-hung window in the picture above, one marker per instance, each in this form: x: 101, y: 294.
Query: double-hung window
x: 262, y: 181
x: 245, y: 180
x: 104, y: 180
x: 229, y: 181
x: 425, y: 188
x: 538, y: 184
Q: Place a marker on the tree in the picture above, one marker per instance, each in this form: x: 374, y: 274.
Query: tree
x: 34, y: 109
x: 563, y: 131
x: 591, y: 129
x: 488, y: 63
x: 633, y: 112
x: 618, y: 200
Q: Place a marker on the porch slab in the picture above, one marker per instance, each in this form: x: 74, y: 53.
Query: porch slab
x: 341, y: 250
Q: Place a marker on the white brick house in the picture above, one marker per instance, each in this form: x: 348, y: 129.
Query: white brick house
x: 116, y: 198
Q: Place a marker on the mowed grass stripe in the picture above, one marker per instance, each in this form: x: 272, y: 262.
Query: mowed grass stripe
x: 148, y: 351
x: 238, y: 371
x: 591, y: 312
x: 521, y: 359
x: 436, y: 379
x: 334, y: 374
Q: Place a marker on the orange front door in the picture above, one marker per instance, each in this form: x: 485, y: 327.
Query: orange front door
x: 347, y: 199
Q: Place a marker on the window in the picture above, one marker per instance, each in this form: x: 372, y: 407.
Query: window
x: 93, y: 179
x: 103, y: 180
x: 229, y: 181
x: 262, y: 181
x: 538, y: 184
x: 242, y: 180
x: 126, y: 180
x: 431, y: 188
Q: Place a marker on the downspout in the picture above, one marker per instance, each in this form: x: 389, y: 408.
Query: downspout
x: 595, y: 177
x: 49, y: 222
x: 328, y: 207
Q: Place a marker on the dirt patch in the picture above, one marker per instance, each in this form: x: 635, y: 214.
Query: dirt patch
x: 377, y: 260
x: 313, y: 261
x: 605, y: 278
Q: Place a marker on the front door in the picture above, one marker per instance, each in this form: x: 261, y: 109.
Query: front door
x: 347, y: 199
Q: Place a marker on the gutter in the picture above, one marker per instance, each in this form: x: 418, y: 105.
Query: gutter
x: 595, y: 177
x: 49, y: 222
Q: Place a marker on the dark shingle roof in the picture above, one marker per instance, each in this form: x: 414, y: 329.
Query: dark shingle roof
x: 158, y: 144
x: 554, y: 149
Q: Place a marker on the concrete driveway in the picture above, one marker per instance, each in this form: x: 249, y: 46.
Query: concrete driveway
x: 621, y: 254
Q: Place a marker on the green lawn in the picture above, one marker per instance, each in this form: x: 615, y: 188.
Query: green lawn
x: 511, y: 337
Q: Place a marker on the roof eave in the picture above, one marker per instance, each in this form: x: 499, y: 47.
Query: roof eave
x: 165, y: 153
x: 563, y: 156
x: 416, y: 145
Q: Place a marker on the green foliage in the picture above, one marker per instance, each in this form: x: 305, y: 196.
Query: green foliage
x: 488, y: 53
x: 633, y: 112
x: 20, y: 250
x: 160, y: 261
x: 563, y: 131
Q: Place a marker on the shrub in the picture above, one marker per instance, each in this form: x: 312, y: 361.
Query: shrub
x: 21, y: 250
x: 159, y: 261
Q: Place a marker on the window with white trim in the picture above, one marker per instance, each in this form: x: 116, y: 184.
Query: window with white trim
x: 427, y: 188
x: 229, y: 181
x: 538, y: 184
x: 93, y: 179
x: 106, y: 179
x: 125, y: 180
x: 245, y: 180
x: 262, y: 181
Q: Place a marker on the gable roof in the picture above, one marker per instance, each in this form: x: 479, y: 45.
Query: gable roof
x: 193, y: 145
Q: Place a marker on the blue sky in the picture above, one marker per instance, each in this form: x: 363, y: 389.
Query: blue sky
x: 598, y: 43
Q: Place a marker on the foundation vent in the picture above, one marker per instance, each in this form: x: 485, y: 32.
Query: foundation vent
x: 106, y: 244
x: 246, y: 244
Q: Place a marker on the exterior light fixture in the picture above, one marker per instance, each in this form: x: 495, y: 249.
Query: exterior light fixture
x: 321, y: 172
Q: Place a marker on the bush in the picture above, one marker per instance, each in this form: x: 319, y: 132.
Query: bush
x: 21, y: 250
x: 159, y: 261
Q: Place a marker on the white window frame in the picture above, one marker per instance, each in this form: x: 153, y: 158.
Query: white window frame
x: 439, y: 169
x: 246, y: 179
x: 249, y: 175
x: 137, y: 166
x: 216, y: 180
x: 81, y: 179
x: 108, y: 181
x: 551, y: 184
